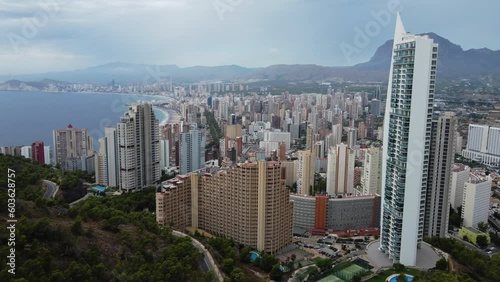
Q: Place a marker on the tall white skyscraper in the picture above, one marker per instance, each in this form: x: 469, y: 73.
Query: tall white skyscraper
x: 111, y: 156
x: 192, y: 151
x: 407, y: 138
x: 138, y: 138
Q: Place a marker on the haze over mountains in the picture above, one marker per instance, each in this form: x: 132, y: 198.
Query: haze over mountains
x: 453, y: 63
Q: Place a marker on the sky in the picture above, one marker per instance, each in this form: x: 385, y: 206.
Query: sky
x: 40, y: 36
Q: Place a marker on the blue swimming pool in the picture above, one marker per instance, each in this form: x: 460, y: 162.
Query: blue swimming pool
x: 394, y: 278
x: 100, y: 188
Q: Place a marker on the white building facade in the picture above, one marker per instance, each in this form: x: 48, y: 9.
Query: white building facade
x: 407, y: 137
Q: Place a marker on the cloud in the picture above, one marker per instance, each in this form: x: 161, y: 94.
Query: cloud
x: 190, y: 32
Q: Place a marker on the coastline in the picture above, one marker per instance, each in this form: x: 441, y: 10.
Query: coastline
x: 89, y: 92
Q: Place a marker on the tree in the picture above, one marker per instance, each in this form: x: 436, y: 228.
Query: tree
x: 402, y: 278
x: 76, y: 228
x: 237, y: 275
x: 398, y: 267
x: 442, y: 264
x: 228, y: 265
x: 245, y: 254
x: 267, y: 261
x: 324, y: 264
x: 482, y: 241
x: 276, y: 273
x: 483, y: 227
x: 357, y: 278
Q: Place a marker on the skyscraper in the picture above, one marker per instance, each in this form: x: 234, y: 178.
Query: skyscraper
x: 442, y: 155
x: 309, y: 137
x: 352, y: 137
x: 37, y: 152
x: 138, y: 138
x: 192, y: 151
x: 371, y: 178
x: 111, y: 156
x: 305, y: 172
x: 101, y: 173
x: 340, y: 170
x: 407, y: 138
x: 71, y: 147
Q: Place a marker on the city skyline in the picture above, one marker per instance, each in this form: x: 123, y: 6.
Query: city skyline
x: 64, y: 37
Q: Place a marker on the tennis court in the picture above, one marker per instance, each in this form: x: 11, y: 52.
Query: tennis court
x: 349, y: 272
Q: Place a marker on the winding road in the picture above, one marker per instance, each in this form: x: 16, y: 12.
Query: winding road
x: 52, y: 189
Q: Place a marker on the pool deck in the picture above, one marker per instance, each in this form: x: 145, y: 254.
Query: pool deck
x: 426, y: 256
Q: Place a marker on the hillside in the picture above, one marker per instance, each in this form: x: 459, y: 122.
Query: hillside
x: 102, y: 239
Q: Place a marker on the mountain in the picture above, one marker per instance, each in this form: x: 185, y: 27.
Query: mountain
x: 453, y: 63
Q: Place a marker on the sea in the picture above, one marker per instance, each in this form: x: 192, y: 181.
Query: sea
x: 29, y: 116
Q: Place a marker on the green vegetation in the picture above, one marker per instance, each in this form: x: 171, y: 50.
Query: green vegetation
x: 234, y: 260
x: 319, y: 184
x: 101, y: 239
x: 478, y: 266
x: 215, y: 130
x: 442, y: 264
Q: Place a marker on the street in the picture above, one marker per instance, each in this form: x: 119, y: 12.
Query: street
x: 51, y: 189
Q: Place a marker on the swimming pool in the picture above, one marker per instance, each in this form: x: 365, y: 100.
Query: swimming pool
x: 394, y: 278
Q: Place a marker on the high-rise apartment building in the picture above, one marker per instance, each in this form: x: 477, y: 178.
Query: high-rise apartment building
x: 442, y: 155
x: 111, y: 156
x: 164, y: 154
x: 476, y: 202
x: 71, y: 147
x: 26, y: 151
x: 352, y: 137
x: 340, y: 170
x: 47, y: 151
x: 138, y: 139
x: 309, y: 137
x: 483, y: 144
x: 459, y: 175
x: 248, y: 203
x: 305, y: 172
x: 37, y: 152
x: 407, y: 138
x: 192, y: 151
x: 371, y: 178
x: 101, y: 172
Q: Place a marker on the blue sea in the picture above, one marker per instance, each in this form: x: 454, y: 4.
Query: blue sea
x: 26, y: 117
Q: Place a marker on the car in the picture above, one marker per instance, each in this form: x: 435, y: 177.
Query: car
x: 489, y: 252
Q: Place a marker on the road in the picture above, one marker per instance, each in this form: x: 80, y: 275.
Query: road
x: 52, y: 189
x: 474, y: 247
x: 208, y: 261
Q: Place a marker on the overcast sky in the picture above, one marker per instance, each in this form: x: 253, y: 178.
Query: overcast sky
x: 54, y: 35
